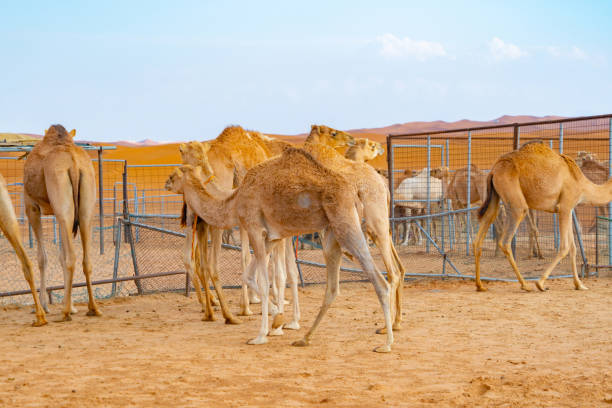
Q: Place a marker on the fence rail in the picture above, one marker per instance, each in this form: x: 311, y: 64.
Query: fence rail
x: 140, y: 243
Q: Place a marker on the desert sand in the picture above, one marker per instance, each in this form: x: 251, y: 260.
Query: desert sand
x: 502, y: 348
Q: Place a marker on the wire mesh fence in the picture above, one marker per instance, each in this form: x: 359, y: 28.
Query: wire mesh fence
x: 438, y: 180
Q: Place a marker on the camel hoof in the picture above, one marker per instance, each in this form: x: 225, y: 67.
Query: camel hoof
x: 300, y: 343
x: 278, y: 321
x: 581, y: 287
x: 292, y: 326
x: 540, y: 286
x: 66, y: 318
x: 94, y: 312
x: 525, y: 288
x: 246, y: 312
x: 481, y: 289
x: 276, y: 331
x: 232, y: 320
x: 254, y: 300
x: 258, y: 340
x: 383, y: 349
x: 209, y: 318
x: 40, y: 321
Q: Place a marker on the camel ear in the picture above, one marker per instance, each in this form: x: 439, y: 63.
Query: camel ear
x: 72, y: 133
x: 182, y: 148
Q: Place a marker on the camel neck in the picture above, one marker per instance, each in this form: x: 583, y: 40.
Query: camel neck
x: 206, y: 203
x: 596, y: 194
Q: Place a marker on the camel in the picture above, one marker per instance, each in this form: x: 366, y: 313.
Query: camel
x: 59, y: 179
x: 10, y: 229
x: 455, y: 189
x: 282, y: 197
x: 537, y: 177
x: 415, y: 188
x: 364, y: 150
x: 373, y: 203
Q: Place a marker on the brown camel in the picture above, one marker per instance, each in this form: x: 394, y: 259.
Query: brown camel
x: 59, y: 179
x: 10, y: 229
x: 289, y: 195
x: 455, y: 189
x: 364, y: 150
x: 537, y: 177
x: 373, y: 203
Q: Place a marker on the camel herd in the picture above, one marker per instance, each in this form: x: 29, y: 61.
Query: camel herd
x: 273, y: 190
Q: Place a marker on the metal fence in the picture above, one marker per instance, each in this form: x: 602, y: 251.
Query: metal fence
x: 437, y: 179
x: 138, y: 240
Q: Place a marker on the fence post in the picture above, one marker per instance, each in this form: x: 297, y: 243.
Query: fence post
x: 428, y: 192
x: 468, y: 214
x: 609, y: 204
x: 516, y: 143
x: 128, y: 229
x: 101, y: 199
x: 390, y: 165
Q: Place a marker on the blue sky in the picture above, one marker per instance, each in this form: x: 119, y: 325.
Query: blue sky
x: 181, y: 70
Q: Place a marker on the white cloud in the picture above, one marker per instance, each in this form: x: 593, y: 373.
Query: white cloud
x: 572, y: 52
x: 501, y: 50
x: 393, y: 46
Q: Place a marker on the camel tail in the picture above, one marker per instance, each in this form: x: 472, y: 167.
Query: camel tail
x: 75, y: 180
x: 184, y: 216
x: 491, y: 193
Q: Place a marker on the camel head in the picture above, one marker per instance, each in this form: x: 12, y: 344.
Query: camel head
x: 195, y: 154
x: 370, y: 148
x: 58, y: 134
x: 331, y: 137
x: 440, y: 172
x: 175, y: 181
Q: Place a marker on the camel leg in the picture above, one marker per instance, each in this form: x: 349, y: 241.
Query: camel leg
x: 378, y: 229
x: 261, y: 272
x: 68, y: 261
x: 245, y: 258
x: 565, y: 233
x: 188, y: 260
x: 489, y: 216
x: 534, y: 243
x: 214, y: 275
x: 281, y: 278
x: 85, y: 227
x: 515, y: 216
x: 201, y: 261
x: 293, y: 276
x: 333, y: 257
x: 572, y: 252
x: 10, y: 228
x: 33, y: 214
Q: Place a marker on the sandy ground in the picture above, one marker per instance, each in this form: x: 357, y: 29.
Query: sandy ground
x: 458, y: 348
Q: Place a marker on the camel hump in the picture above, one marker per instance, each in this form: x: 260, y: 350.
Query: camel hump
x: 295, y: 155
x: 572, y: 166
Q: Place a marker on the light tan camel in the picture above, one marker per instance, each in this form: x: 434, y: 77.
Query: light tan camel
x: 197, y: 256
x: 537, y: 177
x: 364, y: 150
x: 10, y: 229
x: 289, y: 195
x: 59, y: 179
x: 230, y: 154
x: 373, y: 203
